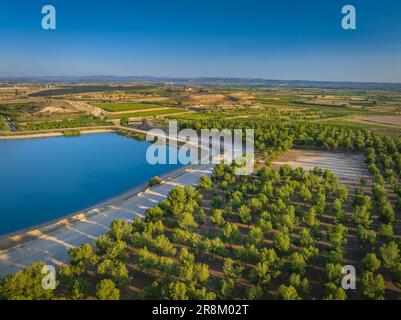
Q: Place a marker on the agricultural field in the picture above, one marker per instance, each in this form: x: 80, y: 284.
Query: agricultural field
x: 3, y: 125
x: 116, y: 107
x: 40, y: 115
x: 76, y: 122
x: 112, y: 94
x: 349, y: 167
x: 355, y: 108
x: 10, y: 93
x: 141, y: 114
x: 393, y: 120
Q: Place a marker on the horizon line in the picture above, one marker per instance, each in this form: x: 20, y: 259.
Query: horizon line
x: 192, y: 78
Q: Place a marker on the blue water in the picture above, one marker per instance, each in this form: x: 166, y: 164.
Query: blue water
x: 48, y: 178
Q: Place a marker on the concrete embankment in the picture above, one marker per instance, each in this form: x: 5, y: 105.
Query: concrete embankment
x: 52, y: 133
x: 50, y: 242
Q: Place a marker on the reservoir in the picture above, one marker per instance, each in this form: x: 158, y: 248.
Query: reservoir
x: 47, y: 178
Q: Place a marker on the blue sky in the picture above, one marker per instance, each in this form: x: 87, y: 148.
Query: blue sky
x: 286, y: 39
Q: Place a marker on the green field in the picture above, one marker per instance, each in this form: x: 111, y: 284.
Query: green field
x: 3, y: 125
x: 387, y: 130
x: 115, y: 107
x: 83, y: 121
x: 146, y: 113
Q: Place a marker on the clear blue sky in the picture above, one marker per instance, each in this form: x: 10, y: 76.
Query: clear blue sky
x: 280, y: 39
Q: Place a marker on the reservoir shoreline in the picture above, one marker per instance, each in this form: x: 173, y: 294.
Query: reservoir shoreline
x: 115, y: 187
x: 54, y: 133
x: 15, y: 238
x: 51, y: 245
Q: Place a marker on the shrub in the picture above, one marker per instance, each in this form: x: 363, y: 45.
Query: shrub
x: 106, y: 290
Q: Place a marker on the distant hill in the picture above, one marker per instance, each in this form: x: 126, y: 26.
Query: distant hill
x: 118, y: 80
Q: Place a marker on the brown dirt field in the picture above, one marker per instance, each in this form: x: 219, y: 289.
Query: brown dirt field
x: 292, y: 108
x: 242, y: 95
x: 142, y: 110
x: 348, y: 167
x: 206, y: 98
x: 391, y: 120
x: 152, y: 99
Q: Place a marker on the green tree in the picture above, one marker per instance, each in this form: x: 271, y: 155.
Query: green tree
x: 281, y: 242
x: 217, y: 247
x: 287, y: 293
x: 333, y: 292
x: 260, y: 274
x: 334, y: 255
x: 256, y: 237
x: 79, y: 289
x: 244, y: 214
x: 373, y: 287
x: 205, y: 183
x: 390, y: 254
x: 195, y: 293
x: 362, y: 216
x: 154, y: 181
x: 113, y: 249
x: 175, y: 291
x: 25, y: 284
x: 114, y: 270
x: 163, y: 245
x: 232, y: 270
x: 285, y: 170
x: 82, y: 257
x: 371, y: 262
x: 305, y: 194
x: 255, y: 205
x: 305, y: 238
x: 124, y: 121
x: 185, y: 257
x: 154, y: 214
x: 299, y: 283
x: 227, y: 288
x: 106, y: 290
x: 336, y: 236
x: 217, y: 217
x: 337, y: 205
x: 296, y: 263
x: 231, y: 233
x: 218, y: 201
x: 186, y: 220
x: 334, y: 273
x: 366, y: 237
x: 386, y: 212
x: 396, y: 275
x: 309, y: 217
x: 120, y: 230
x: 254, y: 292
x: 386, y: 231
